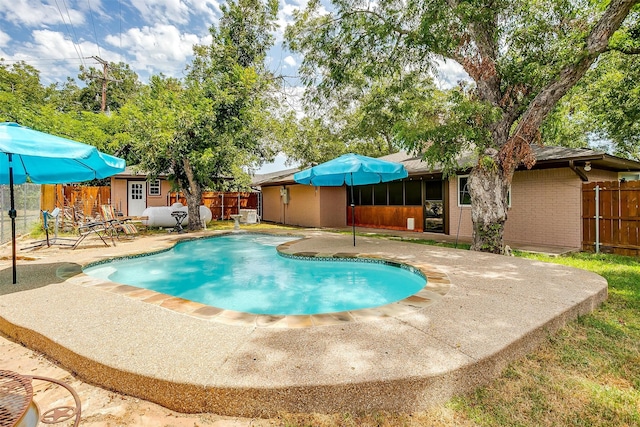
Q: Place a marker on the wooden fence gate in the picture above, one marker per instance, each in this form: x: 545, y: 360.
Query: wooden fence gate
x: 618, y: 225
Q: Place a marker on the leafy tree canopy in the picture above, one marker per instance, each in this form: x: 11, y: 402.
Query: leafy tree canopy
x: 523, y: 56
x: 207, y: 129
x: 119, y: 80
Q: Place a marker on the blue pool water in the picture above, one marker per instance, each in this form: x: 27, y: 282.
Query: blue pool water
x: 243, y: 272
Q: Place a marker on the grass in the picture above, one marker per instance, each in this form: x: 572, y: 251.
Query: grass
x: 587, y: 374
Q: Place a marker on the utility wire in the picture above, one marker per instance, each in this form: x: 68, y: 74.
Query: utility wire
x: 120, y: 16
x: 41, y: 60
x: 72, y: 27
x: 78, y: 52
x: 95, y: 33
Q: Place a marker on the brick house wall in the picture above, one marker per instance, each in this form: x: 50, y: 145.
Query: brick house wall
x: 546, y: 207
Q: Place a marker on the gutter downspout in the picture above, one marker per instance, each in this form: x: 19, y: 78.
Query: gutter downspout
x: 578, y: 172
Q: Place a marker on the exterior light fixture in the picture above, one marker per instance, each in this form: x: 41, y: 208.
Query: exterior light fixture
x: 587, y: 166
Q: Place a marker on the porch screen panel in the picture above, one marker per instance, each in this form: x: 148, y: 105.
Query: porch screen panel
x: 366, y: 195
x: 380, y: 194
x: 413, y: 193
x: 433, y: 190
x: 396, y: 193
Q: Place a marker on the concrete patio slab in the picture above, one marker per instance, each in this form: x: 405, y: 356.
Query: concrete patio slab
x: 481, y: 312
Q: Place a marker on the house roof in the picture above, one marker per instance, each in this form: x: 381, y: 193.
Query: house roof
x: 274, y: 177
x: 134, y: 170
x: 546, y: 157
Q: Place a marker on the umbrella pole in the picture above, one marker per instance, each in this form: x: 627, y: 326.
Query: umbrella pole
x: 353, y: 212
x: 12, y: 215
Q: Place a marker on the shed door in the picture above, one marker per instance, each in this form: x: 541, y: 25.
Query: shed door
x: 137, y: 199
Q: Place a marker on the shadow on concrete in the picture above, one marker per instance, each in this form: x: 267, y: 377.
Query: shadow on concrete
x: 33, y: 276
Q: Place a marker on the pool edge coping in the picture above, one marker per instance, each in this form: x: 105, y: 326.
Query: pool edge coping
x: 437, y: 285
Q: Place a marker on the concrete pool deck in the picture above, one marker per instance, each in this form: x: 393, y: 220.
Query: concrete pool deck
x: 193, y: 359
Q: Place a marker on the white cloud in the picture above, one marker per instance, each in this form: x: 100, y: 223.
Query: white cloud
x: 211, y: 8
x: 290, y: 61
x: 176, y: 11
x: 285, y: 15
x: 165, y: 11
x: 35, y: 13
x: 160, y: 48
x: 449, y: 73
x: 4, y: 38
x: 55, y: 56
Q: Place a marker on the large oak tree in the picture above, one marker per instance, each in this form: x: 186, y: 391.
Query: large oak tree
x: 522, y: 56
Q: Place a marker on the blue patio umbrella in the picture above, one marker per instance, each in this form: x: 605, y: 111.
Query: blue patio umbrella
x: 27, y: 155
x: 351, y: 169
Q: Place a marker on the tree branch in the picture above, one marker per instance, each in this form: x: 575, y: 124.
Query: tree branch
x: 595, y: 44
x: 626, y: 50
x: 394, y: 27
x: 482, y: 65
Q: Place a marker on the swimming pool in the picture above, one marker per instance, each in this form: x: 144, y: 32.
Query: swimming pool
x: 244, y: 272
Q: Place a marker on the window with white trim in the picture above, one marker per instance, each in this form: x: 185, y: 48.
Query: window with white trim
x: 464, y: 198
x: 154, y: 187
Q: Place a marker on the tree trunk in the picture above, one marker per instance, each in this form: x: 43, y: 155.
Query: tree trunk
x: 193, y: 194
x: 194, y: 199
x: 488, y: 187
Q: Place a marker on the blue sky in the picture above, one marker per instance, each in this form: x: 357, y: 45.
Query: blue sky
x: 152, y: 36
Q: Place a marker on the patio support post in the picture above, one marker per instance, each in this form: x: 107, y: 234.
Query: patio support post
x: 12, y: 215
x: 353, y: 212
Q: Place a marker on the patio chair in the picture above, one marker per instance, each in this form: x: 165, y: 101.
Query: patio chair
x: 120, y: 226
x: 98, y: 228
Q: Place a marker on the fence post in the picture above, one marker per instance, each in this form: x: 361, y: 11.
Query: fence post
x: 597, y: 244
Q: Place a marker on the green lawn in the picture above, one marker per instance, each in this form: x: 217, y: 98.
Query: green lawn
x: 587, y: 374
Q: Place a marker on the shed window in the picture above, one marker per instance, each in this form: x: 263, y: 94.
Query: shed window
x: 154, y: 187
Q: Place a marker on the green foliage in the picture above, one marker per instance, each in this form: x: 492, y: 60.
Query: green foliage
x: 122, y: 84
x: 603, y: 108
x: 207, y: 130
x: 487, y: 163
x: 21, y: 93
x: 24, y: 100
x: 515, y: 52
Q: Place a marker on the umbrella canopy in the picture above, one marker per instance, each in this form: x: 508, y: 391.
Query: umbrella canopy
x: 41, y: 158
x: 351, y: 169
x: 49, y: 159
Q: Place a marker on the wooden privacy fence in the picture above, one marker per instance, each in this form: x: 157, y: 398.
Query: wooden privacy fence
x: 611, y: 217
x: 76, y: 202
x: 222, y: 204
